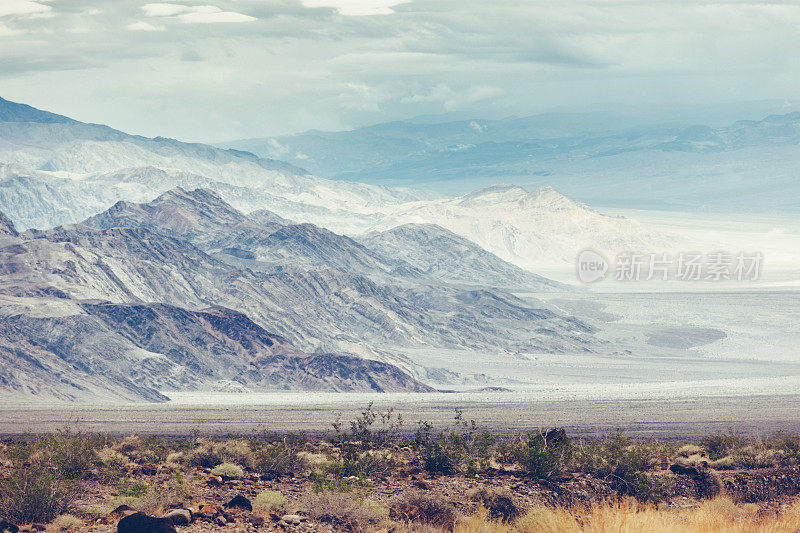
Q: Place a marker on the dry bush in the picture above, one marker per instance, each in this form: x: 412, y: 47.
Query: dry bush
x: 424, y: 509
x: 67, y: 522
x: 269, y: 501
x: 36, y: 493
x: 688, y: 450
x: 209, y: 453
x: 228, y: 470
x: 129, y: 445
x: 498, y: 503
x: 348, y: 512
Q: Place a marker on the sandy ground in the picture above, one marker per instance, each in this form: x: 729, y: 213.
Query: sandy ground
x: 506, y: 413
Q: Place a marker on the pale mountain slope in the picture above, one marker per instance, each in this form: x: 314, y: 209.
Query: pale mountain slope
x: 446, y: 256
x: 529, y: 230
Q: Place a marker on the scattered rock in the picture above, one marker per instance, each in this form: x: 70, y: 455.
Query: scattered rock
x: 422, y: 484
x: 240, y: 502
x: 208, y: 511
x: 257, y: 520
x: 180, y: 517
x: 121, y: 512
x: 221, y: 521
x: 215, y: 480
x: 142, y: 523
x: 292, y: 519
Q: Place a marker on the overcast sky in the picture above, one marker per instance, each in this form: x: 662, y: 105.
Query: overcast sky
x: 226, y: 69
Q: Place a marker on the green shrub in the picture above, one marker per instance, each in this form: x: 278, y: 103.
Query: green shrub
x: 35, y: 494
x: 279, y: 458
x: 626, y: 462
x: 135, y: 488
x: 228, y: 470
x: 723, y: 444
x: 544, y: 453
x: 268, y: 501
x: 460, y: 448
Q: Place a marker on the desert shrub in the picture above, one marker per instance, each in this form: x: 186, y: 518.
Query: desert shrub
x: 460, y: 448
x: 626, y: 462
x: 349, y: 513
x: 688, y: 450
x: 134, y: 488
x: 424, y: 509
x: 268, y: 501
x: 209, y: 453
x: 499, y: 504
x: 228, y: 470
x: 35, y: 494
x: 757, y: 456
x: 128, y: 445
x: 723, y: 444
x: 544, y: 453
x: 281, y: 457
x: 351, y: 461
x: 362, y: 430
x: 67, y: 522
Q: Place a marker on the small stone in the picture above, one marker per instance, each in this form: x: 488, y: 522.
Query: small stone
x: 293, y: 518
x: 215, y: 480
x: 257, y: 520
x: 180, y: 517
x: 221, y: 521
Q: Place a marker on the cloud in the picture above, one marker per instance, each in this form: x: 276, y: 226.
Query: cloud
x: 195, y: 14
x: 22, y: 7
x: 357, y: 7
x: 163, y: 10
x: 144, y: 26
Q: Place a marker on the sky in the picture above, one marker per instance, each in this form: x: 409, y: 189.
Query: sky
x: 215, y: 70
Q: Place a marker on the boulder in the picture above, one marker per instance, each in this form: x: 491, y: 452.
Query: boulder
x: 239, y: 502
x: 180, y: 517
x: 142, y: 523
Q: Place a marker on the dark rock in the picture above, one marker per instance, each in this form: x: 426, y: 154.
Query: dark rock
x: 142, y: 523
x: 8, y: 526
x: 240, y: 502
x: 121, y: 511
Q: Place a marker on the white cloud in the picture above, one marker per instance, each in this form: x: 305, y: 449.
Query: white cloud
x: 143, y: 26
x: 211, y: 14
x: 22, y: 7
x: 358, y: 7
x: 194, y: 14
x: 5, y: 31
x: 163, y: 10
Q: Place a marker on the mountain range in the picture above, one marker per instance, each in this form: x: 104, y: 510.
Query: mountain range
x: 133, y: 267
x: 605, y: 161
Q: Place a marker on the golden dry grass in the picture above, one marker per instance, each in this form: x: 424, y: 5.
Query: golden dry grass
x: 713, y: 516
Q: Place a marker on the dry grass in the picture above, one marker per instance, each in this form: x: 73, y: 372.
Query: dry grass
x: 720, y: 515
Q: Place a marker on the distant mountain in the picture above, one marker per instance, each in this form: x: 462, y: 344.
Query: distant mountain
x: 203, y: 218
x: 54, y: 166
x: 14, y: 112
x: 528, y: 229
x: 444, y: 255
x: 601, y: 159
